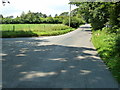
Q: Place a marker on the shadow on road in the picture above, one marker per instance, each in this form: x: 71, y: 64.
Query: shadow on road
x: 26, y: 64
x: 85, y: 27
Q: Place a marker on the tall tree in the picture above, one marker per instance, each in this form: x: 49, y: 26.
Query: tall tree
x: 56, y: 15
x: 64, y: 14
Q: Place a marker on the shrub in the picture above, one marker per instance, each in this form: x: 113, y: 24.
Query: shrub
x: 117, y: 45
x: 75, y: 22
x: 49, y: 20
x: 97, y: 24
x: 108, y: 46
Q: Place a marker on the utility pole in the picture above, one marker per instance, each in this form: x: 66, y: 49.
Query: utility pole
x: 70, y: 15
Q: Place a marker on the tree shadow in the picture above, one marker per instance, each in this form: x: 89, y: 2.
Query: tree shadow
x: 87, y: 30
x: 86, y: 27
x: 27, y: 64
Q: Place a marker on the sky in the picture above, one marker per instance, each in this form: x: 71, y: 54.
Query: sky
x: 16, y: 7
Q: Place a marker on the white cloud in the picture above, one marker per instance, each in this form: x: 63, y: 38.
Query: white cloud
x: 45, y: 6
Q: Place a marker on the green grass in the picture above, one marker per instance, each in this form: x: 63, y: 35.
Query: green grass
x: 33, y: 30
x: 108, y: 47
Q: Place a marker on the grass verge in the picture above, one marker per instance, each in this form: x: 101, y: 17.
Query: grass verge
x: 108, y: 47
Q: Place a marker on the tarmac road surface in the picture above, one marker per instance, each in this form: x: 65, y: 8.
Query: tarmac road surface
x: 64, y: 61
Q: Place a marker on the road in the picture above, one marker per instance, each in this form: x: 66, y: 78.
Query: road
x: 64, y: 61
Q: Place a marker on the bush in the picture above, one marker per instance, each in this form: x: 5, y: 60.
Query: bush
x: 75, y: 22
x: 108, y: 47
x: 111, y: 30
x: 117, y: 46
x: 97, y: 24
x: 49, y: 20
x: 57, y: 20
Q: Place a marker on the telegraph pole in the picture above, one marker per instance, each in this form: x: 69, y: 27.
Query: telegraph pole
x: 70, y: 15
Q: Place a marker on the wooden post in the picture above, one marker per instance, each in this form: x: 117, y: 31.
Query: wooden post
x: 13, y: 28
x: 29, y: 28
x: 44, y: 27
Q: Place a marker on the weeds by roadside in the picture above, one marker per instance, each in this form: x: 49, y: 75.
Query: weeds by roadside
x: 108, y: 47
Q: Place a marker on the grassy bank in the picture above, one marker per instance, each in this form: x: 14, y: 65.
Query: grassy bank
x: 108, y: 47
x: 33, y: 30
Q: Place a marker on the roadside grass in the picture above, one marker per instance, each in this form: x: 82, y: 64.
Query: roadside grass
x: 33, y: 30
x: 108, y: 47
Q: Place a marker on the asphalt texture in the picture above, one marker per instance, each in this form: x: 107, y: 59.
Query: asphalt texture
x: 64, y: 61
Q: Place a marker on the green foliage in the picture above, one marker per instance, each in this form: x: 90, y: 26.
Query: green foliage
x: 117, y: 46
x: 38, y: 18
x: 74, y: 22
x: 108, y: 46
x: 29, y: 30
x: 114, y: 11
x: 58, y: 20
x: 13, y: 34
x: 1, y: 16
x: 32, y: 18
x: 56, y: 15
x: 49, y: 20
x: 100, y: 14
x: 64, y: 14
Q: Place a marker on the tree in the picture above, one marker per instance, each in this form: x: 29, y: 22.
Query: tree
x: 114, y: 14
x: 49, y: 20
x: 22, y: 17
x: 74, y: 12
x: 1, y: 16
x: 95, y: 13
x: 64, y: 14
x: 17, y: 20
x: 75, y: 22
x: 44, y: 15
x: 49, y: 16
x: 10, y: 17
x: 56, y: 15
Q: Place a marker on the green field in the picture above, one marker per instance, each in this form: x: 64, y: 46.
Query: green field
x: 33, y: 30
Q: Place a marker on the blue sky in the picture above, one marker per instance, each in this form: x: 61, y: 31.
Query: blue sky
x: 16, y: 7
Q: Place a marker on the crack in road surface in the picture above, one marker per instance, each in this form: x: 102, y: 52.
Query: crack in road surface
x: 64, y: 61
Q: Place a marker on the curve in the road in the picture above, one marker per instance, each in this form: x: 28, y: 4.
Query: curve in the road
x: 65, y: 61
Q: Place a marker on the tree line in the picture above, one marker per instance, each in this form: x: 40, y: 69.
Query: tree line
x: 31, y: 18
x: 38, y: 18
